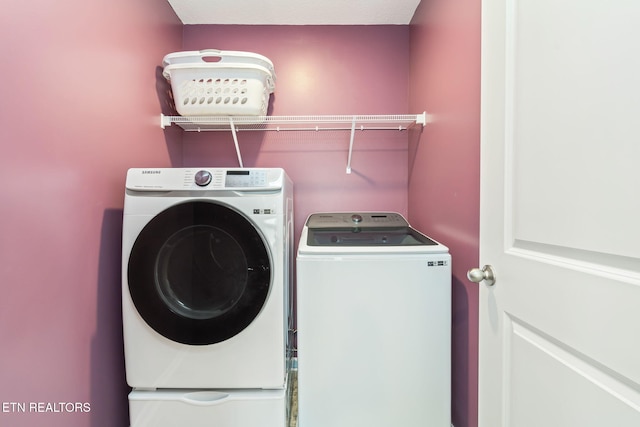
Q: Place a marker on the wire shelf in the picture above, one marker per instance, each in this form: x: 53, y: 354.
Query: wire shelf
x: 299, y: 123
x: 235, y: 124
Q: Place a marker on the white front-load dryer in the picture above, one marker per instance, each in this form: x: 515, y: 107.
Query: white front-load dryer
x: 206, y: 270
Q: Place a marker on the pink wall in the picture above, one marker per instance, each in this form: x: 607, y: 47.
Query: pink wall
x: 320, y: 70
x: 365, y: 70
x: 444, y: 164
x: 81, y: 98
x: 80, y: 104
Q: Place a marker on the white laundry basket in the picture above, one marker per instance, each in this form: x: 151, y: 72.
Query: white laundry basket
x: 222, y: 83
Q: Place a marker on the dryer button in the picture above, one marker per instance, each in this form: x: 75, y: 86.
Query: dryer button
x: 203, y: 178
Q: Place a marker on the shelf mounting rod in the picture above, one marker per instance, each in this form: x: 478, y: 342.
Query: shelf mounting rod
x: 235, y: 141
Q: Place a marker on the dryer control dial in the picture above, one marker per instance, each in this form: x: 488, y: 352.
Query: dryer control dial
x: 203, y: 178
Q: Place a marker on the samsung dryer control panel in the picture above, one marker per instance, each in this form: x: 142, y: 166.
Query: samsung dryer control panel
x: 172, y: 179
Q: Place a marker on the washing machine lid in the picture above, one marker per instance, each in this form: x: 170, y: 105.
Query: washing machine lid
x: 405, y: 236
x: 364, y: 232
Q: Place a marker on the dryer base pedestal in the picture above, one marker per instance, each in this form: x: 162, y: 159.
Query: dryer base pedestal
x: 207, y: 408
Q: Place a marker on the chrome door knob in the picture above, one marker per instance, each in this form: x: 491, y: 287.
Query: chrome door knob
x: 477, y: 275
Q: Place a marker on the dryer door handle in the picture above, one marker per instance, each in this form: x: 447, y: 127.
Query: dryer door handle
x: 205, y: 398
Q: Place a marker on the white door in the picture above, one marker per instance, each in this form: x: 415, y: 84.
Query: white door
x: 560, y: 213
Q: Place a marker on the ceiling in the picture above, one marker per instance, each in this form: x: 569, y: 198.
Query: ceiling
x: 295, y: 12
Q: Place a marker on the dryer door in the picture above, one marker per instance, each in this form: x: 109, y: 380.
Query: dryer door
x: 199, y: 273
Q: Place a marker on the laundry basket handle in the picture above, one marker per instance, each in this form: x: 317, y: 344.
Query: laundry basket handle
x: 211, y: 53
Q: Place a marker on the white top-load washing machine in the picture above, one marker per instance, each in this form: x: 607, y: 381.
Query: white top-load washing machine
x: 374, y: 323
x: 206, y: 269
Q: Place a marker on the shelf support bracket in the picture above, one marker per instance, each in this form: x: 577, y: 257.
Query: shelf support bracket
x: 353, y: 134
x: 235, y: 141
x: 165, y: 121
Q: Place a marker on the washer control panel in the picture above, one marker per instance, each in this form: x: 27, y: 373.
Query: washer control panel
x: 356, y: 219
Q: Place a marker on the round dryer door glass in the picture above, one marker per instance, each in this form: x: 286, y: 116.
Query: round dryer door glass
x: 199, y: 273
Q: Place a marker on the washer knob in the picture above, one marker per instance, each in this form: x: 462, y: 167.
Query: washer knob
x: 356, y: 218
x: 203, y: 178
